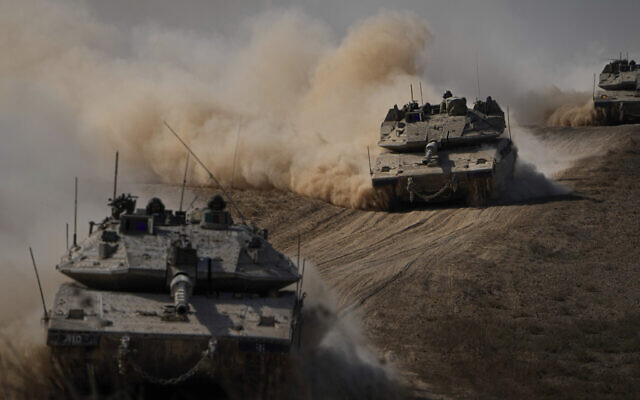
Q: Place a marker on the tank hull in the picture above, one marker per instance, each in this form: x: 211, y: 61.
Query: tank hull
x: 618, y: 107
x: 475, y: 174
x: 240, y: 344
x: 236, y: 369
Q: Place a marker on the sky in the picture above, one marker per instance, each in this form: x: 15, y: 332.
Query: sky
x: 543, y: 42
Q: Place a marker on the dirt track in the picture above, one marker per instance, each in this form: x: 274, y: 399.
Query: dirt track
x: 534, y: 299
x: 521, y: 300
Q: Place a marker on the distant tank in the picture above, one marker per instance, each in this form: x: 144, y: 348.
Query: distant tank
x: 169, y: 298
x: 439, y: 153
x: 619, y: 99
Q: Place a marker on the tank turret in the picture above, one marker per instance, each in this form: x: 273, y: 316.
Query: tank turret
x: 618, y: 99
x: 438, y: 153
x: 138, y: 249
x: 161, y: 288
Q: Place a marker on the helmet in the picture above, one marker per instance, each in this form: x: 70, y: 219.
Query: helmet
x: 217, y: 203
x: 155, y: 206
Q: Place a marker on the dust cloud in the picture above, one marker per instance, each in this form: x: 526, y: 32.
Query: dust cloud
x: 334, y: 359
x: 281, y: 103
x: 556, y: 107
x: 572, y: 115
x: 295, y: 107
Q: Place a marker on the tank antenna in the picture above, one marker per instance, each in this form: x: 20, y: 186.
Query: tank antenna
x: 411, y: 87
x: 421, y: 99
x: 67, y: 232
x: 301, y: 281
x: 115, y: 178
x: 298, y: 251
x: 184, y: 180
x: 478, y: 76
x: 369, y: 157
x: 211, y: 176
x: 509, y: 122
x: 75, y: 215
x: 44, y: 306
x: 235, y: 155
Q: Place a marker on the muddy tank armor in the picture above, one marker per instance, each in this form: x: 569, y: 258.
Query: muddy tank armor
x: 618, y: 96
x: 438, y: 153
x: 164, y: 297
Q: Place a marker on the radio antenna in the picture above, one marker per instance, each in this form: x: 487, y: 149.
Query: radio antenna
x: 478, y: 76
x: 301, y: 281
x: 75, y: 215
x: 509, y: 122
x: 44, y: 306
x: 115, y: 179
x: 184, y: 180
x: 411, y: 87
x: 235, y: 155
x: 211, y: 176
x: 421, y: 99
x: 369, y: 157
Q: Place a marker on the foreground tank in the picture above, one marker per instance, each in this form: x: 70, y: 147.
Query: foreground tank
x: 618, y: 97
x: 167, y: 298
x: 440, y: 153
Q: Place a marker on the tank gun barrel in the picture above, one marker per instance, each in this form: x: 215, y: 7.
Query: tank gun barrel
x: 430, y: 150
x: 181, y: 289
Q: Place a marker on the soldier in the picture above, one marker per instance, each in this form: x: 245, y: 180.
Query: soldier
x: 155, y: 207
x: 216, y: 215
x: 443, y: 105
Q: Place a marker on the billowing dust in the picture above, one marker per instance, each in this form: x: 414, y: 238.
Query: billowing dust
x: 572, y: 115
x: 293, y: 106
x: 557, y: 107
x: 334, y: 359
x: 282, y: 104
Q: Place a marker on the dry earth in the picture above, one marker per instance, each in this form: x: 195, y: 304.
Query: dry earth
x: 524, y: 300
x: 528, y: 300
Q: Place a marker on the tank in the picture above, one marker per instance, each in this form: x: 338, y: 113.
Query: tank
x: 444, y: 152
x: 618, y: 95
x: 174, y: 298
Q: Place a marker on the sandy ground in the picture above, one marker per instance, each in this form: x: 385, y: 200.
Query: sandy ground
x: 526, y: 300
x: 529, y: 299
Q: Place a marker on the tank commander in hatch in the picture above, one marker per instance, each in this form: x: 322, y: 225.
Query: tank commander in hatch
x: 155, y: 207
x: 443, y: 105
x: 216, y: 215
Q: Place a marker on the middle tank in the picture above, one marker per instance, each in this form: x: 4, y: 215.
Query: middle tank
x: 444, y: 152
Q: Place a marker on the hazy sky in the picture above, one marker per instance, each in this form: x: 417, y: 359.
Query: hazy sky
x: 517, y: 44
x: 559, y: 26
